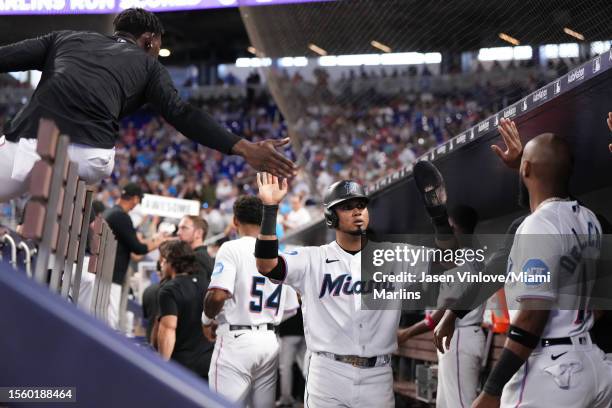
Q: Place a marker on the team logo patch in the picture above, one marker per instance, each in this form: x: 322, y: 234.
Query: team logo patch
x: 290, y: 252
x: 351, y: 188
x: 534, y: 269
x: 218, y: 268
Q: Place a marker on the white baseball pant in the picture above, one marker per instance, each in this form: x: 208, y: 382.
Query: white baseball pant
x: 243, y: 366
x: 459, y: 368
x: 333, y: 384
x: 17, y: 160
x: 578, y: 376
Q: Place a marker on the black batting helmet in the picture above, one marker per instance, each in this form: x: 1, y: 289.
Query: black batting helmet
x: 337, y: 193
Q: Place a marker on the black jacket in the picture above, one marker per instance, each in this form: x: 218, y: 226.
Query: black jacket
x: 89, y: 81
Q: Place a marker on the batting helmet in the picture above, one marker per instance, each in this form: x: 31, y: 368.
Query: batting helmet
x: 337, y: 193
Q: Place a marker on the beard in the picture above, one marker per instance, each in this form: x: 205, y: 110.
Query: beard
x: 523, y: 196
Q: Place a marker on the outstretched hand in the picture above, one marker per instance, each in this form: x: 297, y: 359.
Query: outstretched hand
x: 263, y: 156
x: 271, y: 191
x: 514, y: 148
x: 443, y: 333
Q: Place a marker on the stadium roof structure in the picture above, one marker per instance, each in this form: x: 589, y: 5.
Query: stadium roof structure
x: 350, y: 26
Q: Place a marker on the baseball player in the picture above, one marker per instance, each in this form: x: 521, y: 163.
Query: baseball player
x: 122, y: 73
x: 350, y: 347
x: 548, y: 358
x: 459, y: 367
x: 247, y: 307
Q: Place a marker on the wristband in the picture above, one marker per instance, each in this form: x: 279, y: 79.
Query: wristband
x: 523, y: 337
x: 266, y: 249
x: 507, y: 365
x: 268, y: 221
x: 429, y: 322
x: 206, y: 321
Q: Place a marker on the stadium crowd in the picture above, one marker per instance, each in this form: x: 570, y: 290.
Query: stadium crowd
x: 343, y: 132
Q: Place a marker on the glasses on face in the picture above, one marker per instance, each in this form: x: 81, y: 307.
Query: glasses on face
x: 351, y: 205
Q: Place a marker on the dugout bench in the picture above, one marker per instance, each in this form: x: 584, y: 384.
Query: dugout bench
x: 418, y: 354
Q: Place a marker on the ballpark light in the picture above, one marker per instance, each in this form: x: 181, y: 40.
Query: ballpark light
x: 509, y: 39
x: 317, y: 49
x: 380, y: 46
x: 573, y: 33
x: 164, y: 52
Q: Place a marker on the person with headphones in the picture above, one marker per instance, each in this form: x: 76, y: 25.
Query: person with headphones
x: 350, y: 347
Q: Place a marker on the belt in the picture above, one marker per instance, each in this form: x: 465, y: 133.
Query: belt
x: 559, y: 341
x: 357, y: 361
x: 267, y: 326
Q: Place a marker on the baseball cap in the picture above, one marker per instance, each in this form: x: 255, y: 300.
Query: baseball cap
x: 131, y: 190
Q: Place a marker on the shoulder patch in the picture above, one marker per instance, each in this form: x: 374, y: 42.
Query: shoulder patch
x: 218, y: 268
x: 534, y: 270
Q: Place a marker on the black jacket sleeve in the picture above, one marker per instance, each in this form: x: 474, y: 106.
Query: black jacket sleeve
x: 191, y: 121
x: 25, y: 55
x: 124, y: 231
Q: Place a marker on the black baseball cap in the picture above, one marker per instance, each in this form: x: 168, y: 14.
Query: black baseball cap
x: 132, y: 190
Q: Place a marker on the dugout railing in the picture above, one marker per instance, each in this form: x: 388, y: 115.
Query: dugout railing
x: 53, y: 238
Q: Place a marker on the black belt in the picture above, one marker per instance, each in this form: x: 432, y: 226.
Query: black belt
x: 234, y: 327
x: 562, y: 341
x: 357, y: 361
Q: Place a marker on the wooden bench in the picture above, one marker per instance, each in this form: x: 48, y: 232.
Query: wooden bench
x: 421, y: 348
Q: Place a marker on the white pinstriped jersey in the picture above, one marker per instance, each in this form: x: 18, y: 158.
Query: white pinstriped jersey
x: 330, y: 283
x: 561, y: 239
x: 255, y: 300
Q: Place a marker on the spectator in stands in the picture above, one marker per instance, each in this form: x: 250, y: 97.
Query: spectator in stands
x: 180, y: 334
x: 192, y: 230
x: 298, y: 215
x: 127, y: 243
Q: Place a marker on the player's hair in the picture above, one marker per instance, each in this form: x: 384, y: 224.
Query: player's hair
x: 180, y: 256
x: 137, y: 21
x: 199, y: 223
x: 248, y: 210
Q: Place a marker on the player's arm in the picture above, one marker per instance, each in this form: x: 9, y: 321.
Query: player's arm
x: 214, y: 300
x: 200, y: 127
x: 523, y: 336
x: 167, y: 335
x: 424, y: 326
x: 271, y: 193
x: 26, y: 55
x: 168, y: 311
x: 430, y: 185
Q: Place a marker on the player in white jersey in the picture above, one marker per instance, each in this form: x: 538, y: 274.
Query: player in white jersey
x: 459, y: 368
x: 246, y: 307
x: 350, y: 347
x: 549, y: 359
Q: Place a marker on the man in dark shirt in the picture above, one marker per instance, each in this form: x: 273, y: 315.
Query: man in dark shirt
x: 89, y: 82
x: 192, y: 230
x: 127, y: 243
x: 180, y: 334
